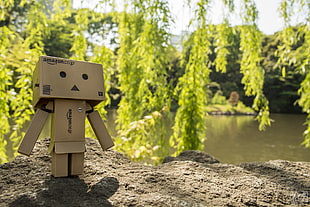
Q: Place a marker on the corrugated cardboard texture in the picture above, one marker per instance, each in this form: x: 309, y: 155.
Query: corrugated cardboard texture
x: 70, y: 79
x: 100, y: 130
x: 33, y: 132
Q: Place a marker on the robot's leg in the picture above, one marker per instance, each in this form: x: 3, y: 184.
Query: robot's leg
x: 60, y: 164
x: 76, y: 161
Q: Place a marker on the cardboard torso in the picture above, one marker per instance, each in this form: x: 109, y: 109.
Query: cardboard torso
x: 68, y: 126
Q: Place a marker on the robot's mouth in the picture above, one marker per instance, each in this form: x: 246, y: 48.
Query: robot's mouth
x: 75, y: 88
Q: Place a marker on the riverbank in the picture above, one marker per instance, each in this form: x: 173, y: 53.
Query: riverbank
x: 228, y: 109
x: 194, y: 179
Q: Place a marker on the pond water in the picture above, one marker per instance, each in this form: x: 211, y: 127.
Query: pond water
x: 236, y: 139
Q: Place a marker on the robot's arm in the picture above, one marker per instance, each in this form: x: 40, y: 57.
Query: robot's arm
x: 100, y: 130
x: 34, y: 130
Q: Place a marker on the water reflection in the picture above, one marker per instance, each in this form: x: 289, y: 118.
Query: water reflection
x: 235, y: 139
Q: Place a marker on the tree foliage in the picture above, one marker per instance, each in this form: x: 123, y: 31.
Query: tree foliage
x: 189, y: 125
x: 253, y: 73
x: 300, y: 58
x: 142, y: 61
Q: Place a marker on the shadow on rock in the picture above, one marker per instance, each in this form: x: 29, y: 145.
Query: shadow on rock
x: 71, y: 191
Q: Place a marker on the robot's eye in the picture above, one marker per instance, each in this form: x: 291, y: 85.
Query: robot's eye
x: 85, y: 76
x: 63, y: 74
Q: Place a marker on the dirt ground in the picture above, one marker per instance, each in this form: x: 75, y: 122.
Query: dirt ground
x: 192, y: 179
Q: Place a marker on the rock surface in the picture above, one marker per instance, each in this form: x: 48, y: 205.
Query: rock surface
x: 192, y: 155
x: 110, y: 179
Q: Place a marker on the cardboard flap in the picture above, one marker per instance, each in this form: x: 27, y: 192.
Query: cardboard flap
x: 69, y: 147
x: 33, y: 132
x: 100, y: 130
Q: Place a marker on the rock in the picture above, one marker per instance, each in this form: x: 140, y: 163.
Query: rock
x: 111, y: 179
x: 192, y: 155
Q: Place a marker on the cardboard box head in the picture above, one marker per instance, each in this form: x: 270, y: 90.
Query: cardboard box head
x: 67, y: 79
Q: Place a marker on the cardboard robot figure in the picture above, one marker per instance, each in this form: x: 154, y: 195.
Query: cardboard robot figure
x: 68, y: 90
